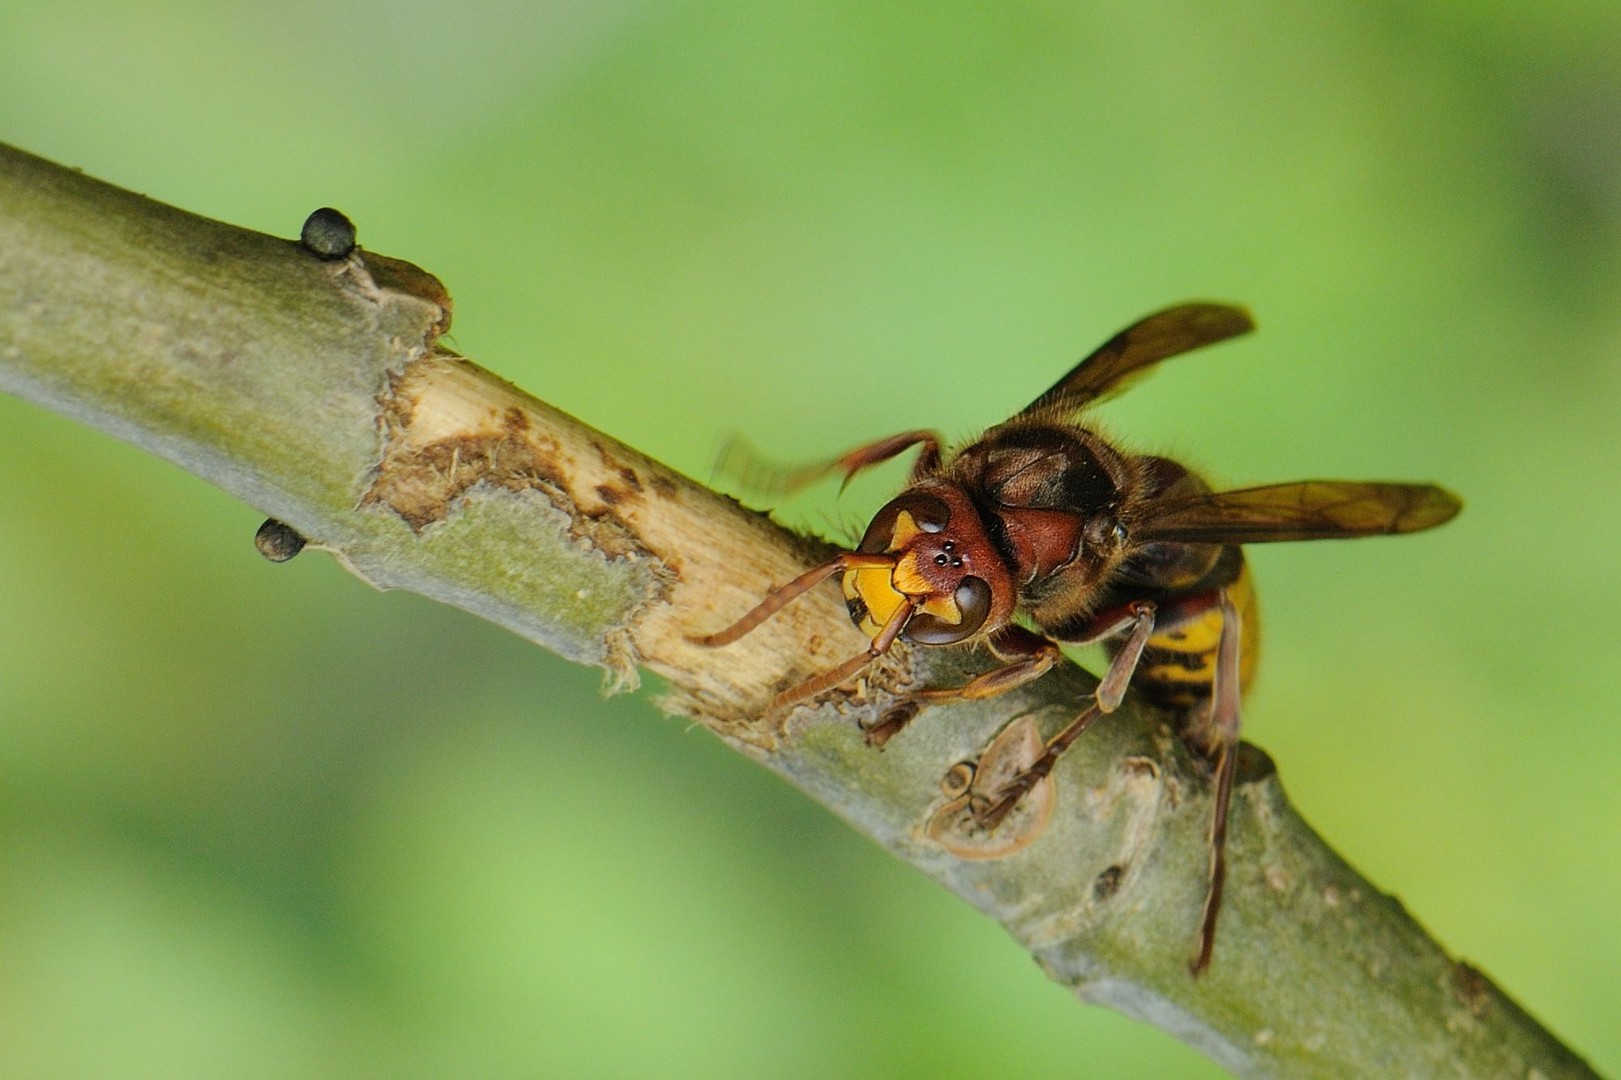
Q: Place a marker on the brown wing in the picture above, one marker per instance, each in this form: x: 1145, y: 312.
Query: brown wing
x: 1307, y: 510
x: 1129, y: 354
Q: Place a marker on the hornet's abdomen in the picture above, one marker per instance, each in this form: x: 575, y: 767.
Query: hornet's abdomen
x: 1178, y: 667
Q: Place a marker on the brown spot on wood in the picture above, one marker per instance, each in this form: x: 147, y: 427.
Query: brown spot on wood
x: 890, y: 723
x: 1473, y: 988
x: 627, y: 475
x: 1254, y: 765
x: 1107, y: 883
x: 664, y: 486
x: 629, y: 486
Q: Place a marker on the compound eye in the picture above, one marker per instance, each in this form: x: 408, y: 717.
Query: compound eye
x: 927, y: 512
x: 974, y: 601
x: 973, y: 597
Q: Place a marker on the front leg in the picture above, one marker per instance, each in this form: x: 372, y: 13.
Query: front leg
x: 741, y: 463
x: 1027, y: 656
x: 1138, y: 620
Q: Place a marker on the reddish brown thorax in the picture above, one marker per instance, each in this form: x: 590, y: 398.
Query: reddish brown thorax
x: 1042, y: 541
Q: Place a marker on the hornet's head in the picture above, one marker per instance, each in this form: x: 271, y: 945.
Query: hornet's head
x: 945, y: 569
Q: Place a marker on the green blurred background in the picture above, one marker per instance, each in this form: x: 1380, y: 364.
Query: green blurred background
x: 262, y: 821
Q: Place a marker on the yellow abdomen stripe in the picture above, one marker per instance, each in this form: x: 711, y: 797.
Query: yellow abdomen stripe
x: 1179, y: 666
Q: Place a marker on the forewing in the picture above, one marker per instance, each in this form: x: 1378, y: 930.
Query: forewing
x: 1307, y: 510
x: 1128, y: 355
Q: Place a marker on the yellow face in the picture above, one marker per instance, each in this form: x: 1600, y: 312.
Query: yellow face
x: 873, y: 588
x: 883, y: 589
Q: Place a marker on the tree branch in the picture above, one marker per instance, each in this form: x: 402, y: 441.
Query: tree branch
x: 315, y: 388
